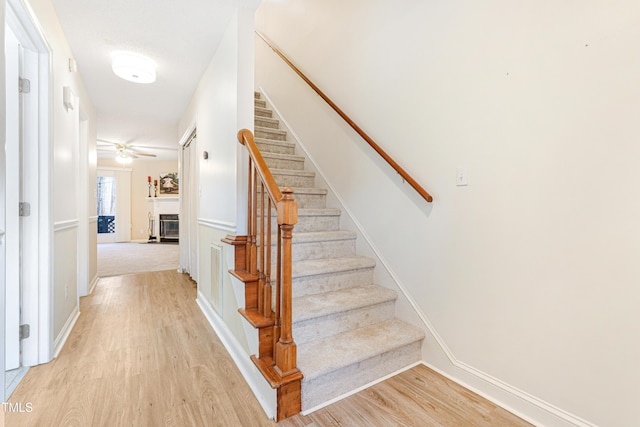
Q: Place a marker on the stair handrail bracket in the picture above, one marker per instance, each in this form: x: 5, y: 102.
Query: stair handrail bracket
x: 277, y: 352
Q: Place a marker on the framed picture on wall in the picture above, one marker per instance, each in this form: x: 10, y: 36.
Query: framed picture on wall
x: 169, y: 183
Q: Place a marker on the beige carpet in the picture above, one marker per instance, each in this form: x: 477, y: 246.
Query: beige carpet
x: 115, y: 259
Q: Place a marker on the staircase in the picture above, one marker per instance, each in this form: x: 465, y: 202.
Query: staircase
x: 343, y: 324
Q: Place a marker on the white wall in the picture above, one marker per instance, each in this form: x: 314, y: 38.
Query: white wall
x: 64, y: 192
x: 528, y: 275
x: 222, y: 105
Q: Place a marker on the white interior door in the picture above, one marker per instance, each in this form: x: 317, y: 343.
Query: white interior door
x: 193, y: 199
x: 189, y: 195
x: 12, y: 199
x: 185, y: 214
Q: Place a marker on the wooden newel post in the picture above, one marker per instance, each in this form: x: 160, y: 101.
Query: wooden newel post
x: 285, y: 352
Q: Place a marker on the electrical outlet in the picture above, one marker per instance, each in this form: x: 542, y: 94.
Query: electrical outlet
x: 461, y: 177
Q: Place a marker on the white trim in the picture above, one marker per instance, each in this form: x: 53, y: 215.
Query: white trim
x: 93, y: 219
x: 187, y: 133
x: 62, y: 337
x: 93, y: 284
x: 64, y: 225
x: 535, y: 402
x: 220, y: 225
x: 20, y: 15
x: 112, y: 169
x: 359, y: 389
x: 168, y: 198
x: 265, y: 395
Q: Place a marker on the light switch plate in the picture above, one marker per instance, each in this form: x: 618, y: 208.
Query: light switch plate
x: 461, y: 177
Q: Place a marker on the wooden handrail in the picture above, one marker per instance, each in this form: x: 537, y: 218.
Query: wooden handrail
x: 405, y: 176
x: 246, y: 138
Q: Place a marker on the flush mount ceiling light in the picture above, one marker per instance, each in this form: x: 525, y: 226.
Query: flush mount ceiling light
x: 134, y: 68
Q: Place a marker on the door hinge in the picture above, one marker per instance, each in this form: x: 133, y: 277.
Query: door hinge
x: 25, y: 331
x: 24, y: 209
x: 24, y: 85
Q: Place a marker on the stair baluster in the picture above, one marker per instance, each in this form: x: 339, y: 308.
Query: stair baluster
x: 276, y: 358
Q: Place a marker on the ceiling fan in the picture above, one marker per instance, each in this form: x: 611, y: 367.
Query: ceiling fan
x: 124, y: 152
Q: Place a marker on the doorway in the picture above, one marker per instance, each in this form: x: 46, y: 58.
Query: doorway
x: 113, y: 189
x: 189, y: 196
x: 27, y: 255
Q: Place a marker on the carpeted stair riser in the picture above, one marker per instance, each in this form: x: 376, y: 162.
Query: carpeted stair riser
x: 262, y: 112
x: 274, y: 134
x: 341, y: 381
x: 317, y: 249
x: 308, y: 220
x: 276, y: 147
x: 340, y: 363
x: 283, y: 161
x: 306, y: 198
x: 267, y: 122
x: 336, y: 314
x: 320, y: 283
x: 287, y: 178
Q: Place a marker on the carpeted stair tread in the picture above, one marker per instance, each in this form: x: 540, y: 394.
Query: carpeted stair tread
x: 308, y: 190
x: 328, y: 303
x: 274, y: 142
x: 313, y: 267
x: 292, y: 172
x: 283, y: 156
x: 326, y: 355
x: 322, y: 236
x: 312, y: 212
x: 270, y: 131
x: 268, y: 120
x: 262, y: 112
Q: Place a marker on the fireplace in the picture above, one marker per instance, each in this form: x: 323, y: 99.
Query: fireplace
x: 169, y: 227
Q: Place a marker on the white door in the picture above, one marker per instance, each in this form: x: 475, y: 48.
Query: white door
x: 189, y: 195
x: 12, y: 199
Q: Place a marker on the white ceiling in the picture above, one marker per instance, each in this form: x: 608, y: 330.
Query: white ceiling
x: 179, y: 35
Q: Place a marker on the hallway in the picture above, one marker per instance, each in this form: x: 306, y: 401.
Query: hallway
x: 141, y: 354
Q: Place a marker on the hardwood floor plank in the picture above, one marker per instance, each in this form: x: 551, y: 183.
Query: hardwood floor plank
x: 417, y: 397
x: 142, y: 354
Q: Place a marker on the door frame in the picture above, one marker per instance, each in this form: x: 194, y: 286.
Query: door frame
x: 188, y: 202
x: 37, y: 301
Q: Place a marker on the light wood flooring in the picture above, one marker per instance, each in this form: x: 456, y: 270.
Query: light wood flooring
x: 142, y: 354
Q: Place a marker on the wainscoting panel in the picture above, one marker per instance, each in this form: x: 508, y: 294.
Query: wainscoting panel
x: 216, y: 277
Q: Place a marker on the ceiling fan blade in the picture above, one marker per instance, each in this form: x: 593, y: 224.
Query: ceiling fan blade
x: 144, y: 154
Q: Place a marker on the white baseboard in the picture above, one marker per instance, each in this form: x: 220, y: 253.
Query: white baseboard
x: 62, y: 337
x: 266, y: 395
x: 93, y: 284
